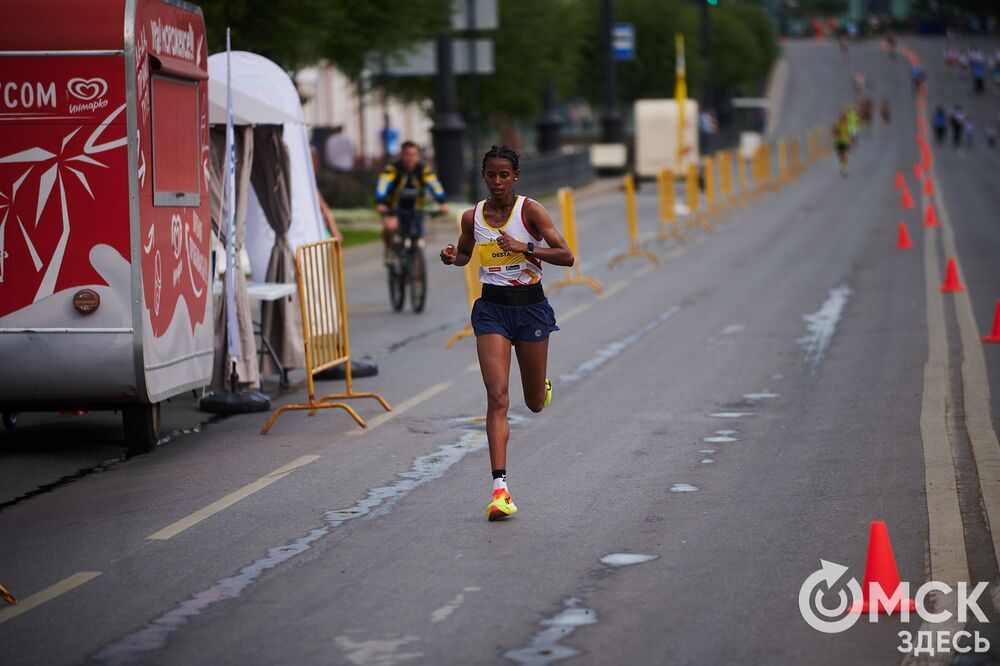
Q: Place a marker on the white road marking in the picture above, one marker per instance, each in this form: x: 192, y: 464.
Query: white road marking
x: 472, y: 367
x: 945, y: 532
x: 976, y: 390
x: 232, y: 498
x: 443, y: 613
x: 401, y: 408
x: 48, y: 594
x: 382, y: 652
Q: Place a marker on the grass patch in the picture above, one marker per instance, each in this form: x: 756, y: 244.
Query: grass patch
x: 360, y: 236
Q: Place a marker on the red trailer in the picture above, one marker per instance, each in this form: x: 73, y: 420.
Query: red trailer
x: 105, y: 226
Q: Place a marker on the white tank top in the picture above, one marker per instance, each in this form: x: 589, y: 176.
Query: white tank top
x: 502, y: 268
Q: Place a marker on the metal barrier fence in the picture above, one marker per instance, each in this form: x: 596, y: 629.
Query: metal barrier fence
x: 567, y: 215
x: 320, y: 276
x: 547, y: 172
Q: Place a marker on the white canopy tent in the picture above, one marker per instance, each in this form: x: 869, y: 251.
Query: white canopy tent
x: 276, y: 176
x: 263, y: 94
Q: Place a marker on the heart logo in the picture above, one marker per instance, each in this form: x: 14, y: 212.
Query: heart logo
x: 87, y: 89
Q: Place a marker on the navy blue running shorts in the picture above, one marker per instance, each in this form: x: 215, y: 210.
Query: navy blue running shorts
x: 517, y: 323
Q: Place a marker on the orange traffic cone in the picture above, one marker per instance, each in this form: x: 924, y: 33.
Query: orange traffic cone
x: 951, y: 282
x: 903, y: 241
x: 930, y: 217
x: 928, y: 187
x: 900, y: 181
x: 880, y: 569
x: 994, y: 335
x: 918, y: 173
x: 907, y: 198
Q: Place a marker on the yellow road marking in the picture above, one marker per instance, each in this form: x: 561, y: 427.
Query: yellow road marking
x: 642, y: 271
x: 676, y: 252
x: 48, y: 594
x: 613, y: 289
x: 574, y: 311
x: 401, y: 408
x: 232, y: 498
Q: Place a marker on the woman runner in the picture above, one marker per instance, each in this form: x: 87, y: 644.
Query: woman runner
x: 513, y: 235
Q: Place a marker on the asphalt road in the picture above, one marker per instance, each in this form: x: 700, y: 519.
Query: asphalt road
x: 735, y: 415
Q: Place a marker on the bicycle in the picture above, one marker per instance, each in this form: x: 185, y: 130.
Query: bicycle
x: 408, y: 270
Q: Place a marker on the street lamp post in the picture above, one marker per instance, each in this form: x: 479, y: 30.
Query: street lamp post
x: 611, y: 118
x: 448, y: 127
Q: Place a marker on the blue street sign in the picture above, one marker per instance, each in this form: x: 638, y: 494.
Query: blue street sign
x: 623, y: 41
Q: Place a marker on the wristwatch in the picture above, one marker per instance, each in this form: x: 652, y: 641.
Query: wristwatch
x: 531, y: 248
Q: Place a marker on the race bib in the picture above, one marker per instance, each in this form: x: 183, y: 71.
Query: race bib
x: 496, y: 260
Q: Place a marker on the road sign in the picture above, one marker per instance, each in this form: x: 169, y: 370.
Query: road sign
x: 485, y: 12
x: 623, y: 41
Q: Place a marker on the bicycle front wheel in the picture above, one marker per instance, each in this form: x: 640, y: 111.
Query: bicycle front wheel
x: 397, y: 285
x: 418, y: 279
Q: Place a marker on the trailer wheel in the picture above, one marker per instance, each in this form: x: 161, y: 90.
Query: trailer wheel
x: 9, y: 420
x: 142, y: 427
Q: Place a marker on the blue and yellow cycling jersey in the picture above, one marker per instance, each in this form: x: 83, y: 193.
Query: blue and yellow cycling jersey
x: 401, y: 190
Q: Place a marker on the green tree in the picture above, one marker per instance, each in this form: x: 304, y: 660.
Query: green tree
x: 295, y: 33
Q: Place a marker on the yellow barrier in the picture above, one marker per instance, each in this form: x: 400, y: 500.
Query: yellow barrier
x: 567, y: 213
x: 472, y: 290
x: 692, y: 199
x: 796, y: 165
x: 320, y: 275
x: 767, y: 169
x: 746, y: 194
x: 783, y: 176
x: 633, y: 228
x: 670, y: 226
x: 726, y: 176
x: 708, y: 175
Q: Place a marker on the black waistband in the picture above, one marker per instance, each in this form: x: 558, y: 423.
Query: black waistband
x: 528, y: 294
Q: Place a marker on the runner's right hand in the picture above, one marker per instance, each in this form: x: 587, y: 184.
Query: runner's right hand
x: 449, y: 254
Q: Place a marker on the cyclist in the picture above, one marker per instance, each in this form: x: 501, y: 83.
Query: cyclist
x: 514, y: 235
x: 399, y: 195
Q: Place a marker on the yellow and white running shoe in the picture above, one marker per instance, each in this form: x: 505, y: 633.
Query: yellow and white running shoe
x: 502, y: 505
x: 548, y: 393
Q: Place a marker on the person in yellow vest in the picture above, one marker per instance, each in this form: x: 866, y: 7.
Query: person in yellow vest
x: 842, y: 140
x: 514, y: 236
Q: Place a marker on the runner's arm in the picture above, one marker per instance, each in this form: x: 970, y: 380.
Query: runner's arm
x: 461, y: 255
x: 539, y: 221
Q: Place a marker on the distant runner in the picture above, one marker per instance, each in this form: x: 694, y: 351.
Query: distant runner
x: 842, y: 140
x: 513, y: 235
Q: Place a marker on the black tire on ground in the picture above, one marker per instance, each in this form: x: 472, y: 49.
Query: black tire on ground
x: 142, y: 427
x: 397, y: 287
x: 9, y: 420
x: 418, y: 279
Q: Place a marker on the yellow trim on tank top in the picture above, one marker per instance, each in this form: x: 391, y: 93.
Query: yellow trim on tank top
x: 509, y: 217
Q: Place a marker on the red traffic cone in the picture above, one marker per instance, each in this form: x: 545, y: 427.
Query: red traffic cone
x: 930, y: 217
x: 907, y: 198
x: 903, y: 241
x: 928, y: 187
x: 900, y: 181
x: 918, y: 173
x: 880, y: 569
x: 994, y: 335
x: 951, y: 282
